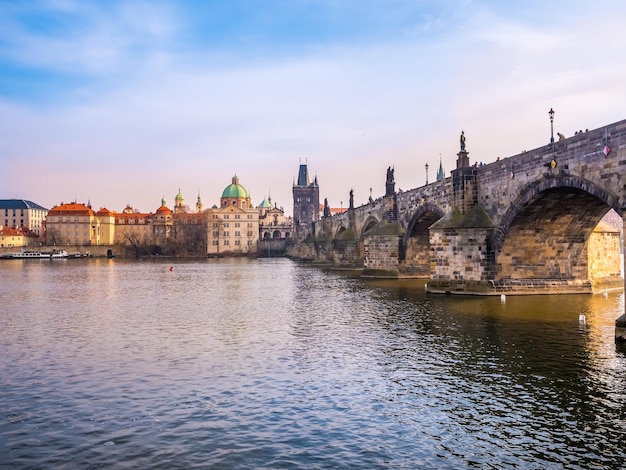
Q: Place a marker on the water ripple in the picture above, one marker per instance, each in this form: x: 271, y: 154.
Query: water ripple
x: 268, y: 364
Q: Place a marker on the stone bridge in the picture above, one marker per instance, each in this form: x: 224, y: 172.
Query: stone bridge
x: 529, y: 223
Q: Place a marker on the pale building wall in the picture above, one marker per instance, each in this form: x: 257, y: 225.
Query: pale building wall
x: 72, y: 229
x: 28, y: 218
x: 273, y: 223
x: 10, y: 238
x: 107, y: 229
x: 133, y: 229
x: 232, y: 230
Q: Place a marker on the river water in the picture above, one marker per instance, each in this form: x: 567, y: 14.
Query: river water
x: 271, y: 364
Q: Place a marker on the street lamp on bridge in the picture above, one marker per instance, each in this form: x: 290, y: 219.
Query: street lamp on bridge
x: 426, y: 173
x: 551, y: 113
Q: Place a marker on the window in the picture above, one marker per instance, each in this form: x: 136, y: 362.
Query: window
x: 237, y: 233
x: 237, y: 216
x: 237, y: 224
x: 237, y: 242
x: 216, y: 234
x: 226, y: 242
x: 226, y: 234
x: 226, y: 216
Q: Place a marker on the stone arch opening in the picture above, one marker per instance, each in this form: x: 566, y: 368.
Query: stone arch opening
x: 415, y: 255
x: 369, y: 223
x: 548, y: 233
x: 339, y: 231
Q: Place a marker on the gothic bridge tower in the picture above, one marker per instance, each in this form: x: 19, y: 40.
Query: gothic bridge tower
x: 306, y: 201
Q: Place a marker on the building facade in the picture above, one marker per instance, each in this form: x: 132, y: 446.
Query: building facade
x: 78, y: 224
x: 275, y: 229
x: 133, y: 227
x: 233, y: 228
x: 273, y: 223
x: 12, y: 237
x: 22, y: 214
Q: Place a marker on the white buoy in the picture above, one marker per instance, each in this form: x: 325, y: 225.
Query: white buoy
x: 582, y: 319
x: 502, y: 298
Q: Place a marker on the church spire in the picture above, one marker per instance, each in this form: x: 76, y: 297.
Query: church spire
x: 199, y: 204
x: 441, y: 174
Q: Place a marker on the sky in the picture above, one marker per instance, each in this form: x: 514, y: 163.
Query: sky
x: 128, y: 102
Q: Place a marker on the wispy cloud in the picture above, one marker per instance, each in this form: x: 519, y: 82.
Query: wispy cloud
x: 160, y: 95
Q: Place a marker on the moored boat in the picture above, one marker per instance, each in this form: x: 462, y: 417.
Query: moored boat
x: 36, y: 254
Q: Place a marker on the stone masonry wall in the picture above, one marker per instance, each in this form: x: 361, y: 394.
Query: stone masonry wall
x: 459, y: 253
x: 605, y: 263
x: 382, y: 252
x: 346, y: 254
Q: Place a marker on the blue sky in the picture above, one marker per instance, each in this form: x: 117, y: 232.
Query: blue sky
x: 126, y: 102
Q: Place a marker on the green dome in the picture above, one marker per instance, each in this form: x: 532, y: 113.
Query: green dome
x: 235, y: 189
x: 267, y: 202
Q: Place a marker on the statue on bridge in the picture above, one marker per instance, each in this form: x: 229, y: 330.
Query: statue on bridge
x: 390, y: 175
x: 462, y: 141
x: 351, y: 199
x: 326, y: 208
x: 390, y: 184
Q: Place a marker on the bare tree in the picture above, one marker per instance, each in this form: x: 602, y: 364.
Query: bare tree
x: 136, y: 242
x: 53, y: 237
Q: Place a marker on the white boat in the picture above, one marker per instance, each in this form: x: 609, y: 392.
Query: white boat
x: 35, y: 254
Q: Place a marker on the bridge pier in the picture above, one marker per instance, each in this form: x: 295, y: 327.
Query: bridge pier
x: 620, y: 323
x: 382, y: 246
x: 620, y: 329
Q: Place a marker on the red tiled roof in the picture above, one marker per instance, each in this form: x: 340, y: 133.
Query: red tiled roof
x: 104, y: 211
x: 164, y: 210
x: 71, y: 209
x: 11, y: 232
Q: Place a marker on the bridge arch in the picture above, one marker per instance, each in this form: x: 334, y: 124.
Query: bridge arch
x: 340, y: 230
x: 415, y: 248
x: 544, y: 233
x: 370, y: 222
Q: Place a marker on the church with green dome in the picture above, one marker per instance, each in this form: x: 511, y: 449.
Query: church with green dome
x: 236, y: 195
x: 233, y: 227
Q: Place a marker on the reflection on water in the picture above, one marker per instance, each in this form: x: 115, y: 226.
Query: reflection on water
x: 248, y: 364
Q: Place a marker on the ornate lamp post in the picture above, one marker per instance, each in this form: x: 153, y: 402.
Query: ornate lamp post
x: 426, y: 173
x: 551, y: 114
